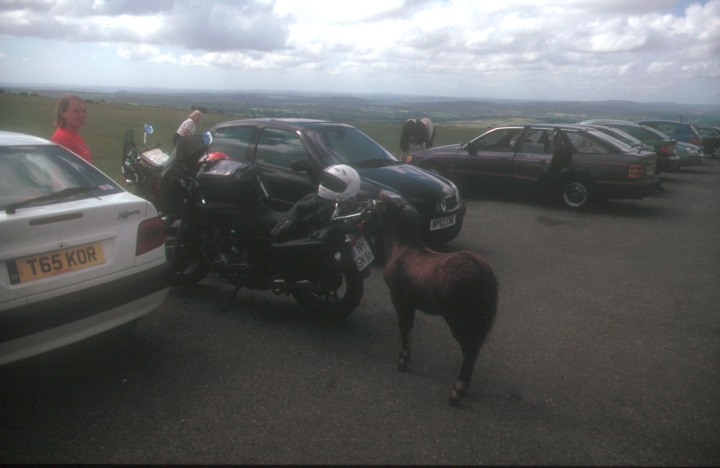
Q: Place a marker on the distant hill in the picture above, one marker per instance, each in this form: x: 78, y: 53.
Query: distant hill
x: 391, y: 107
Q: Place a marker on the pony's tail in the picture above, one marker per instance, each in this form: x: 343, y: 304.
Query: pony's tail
x: 405, y: 137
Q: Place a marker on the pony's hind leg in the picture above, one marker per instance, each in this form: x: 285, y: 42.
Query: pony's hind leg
x: 470, y: 355
x: 406, y: 320
x: 470, y: 339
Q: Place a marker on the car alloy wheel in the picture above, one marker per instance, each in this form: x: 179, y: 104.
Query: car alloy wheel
x: 716, y: 153
x: 576, y: 194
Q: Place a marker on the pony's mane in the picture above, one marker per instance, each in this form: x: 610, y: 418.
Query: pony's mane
x: 394, y: 217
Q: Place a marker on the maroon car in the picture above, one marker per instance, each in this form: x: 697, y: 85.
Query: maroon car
x: 576, y: 162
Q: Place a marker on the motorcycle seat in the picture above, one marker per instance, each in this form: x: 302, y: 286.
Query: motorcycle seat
x: 254, y: 218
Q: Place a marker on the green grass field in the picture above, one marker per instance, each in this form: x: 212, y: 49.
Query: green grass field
x: 107, y: 123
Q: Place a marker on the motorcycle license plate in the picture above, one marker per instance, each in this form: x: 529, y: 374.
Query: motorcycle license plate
x: 362, y: 254
x: 442, y: 223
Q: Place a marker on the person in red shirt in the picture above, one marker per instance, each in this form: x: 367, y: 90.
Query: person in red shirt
x: 71, y: 115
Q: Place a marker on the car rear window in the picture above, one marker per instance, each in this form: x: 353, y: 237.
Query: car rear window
x: 32, y: 171
x: 613, y: 139
x: 585, y: 143
x: 643, y: 134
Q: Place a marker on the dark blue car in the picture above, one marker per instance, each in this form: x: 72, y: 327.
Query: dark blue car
x: 676, y: 130
x: 291, y: 154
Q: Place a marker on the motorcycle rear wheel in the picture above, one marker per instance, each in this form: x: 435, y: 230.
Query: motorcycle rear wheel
x: 188, y: 264
x: 337, y: 304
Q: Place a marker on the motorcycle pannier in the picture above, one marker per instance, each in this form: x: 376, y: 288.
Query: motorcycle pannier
x: 229, y: 182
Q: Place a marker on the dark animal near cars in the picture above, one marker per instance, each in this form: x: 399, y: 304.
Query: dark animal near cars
x: 459, y: 286
x: 416, y: 132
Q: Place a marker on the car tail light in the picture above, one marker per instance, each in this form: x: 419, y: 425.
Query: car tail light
x: 667, y: 149
x: 695, y: 141
x: 637, y: 171
x: 150, y: 235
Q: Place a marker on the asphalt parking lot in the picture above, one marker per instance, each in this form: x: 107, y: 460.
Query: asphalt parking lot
x: 605, y: 351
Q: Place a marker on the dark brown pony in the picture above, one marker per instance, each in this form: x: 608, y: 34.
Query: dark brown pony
x: 459, y: 286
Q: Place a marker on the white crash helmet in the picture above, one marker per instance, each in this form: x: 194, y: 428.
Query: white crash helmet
x: 339, y: 182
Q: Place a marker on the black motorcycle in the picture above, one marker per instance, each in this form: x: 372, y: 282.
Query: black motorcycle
x: 143, y: 167
x: 226, y: 227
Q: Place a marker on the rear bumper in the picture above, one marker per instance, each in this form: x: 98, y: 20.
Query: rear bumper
x: 42, y: 326
x: 627, y: 189
x: 690, y: 161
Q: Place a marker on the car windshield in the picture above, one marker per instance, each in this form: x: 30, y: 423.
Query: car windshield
x: 348, y: 145
x: 28, y: 172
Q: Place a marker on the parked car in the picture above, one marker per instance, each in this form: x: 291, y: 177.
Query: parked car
x: 78, y: 254
x: 575, y: 162
x: 711, y: 140
x: 680, y: 131
x: 291, y: 153
x: 690, y: 155
x: 664, y: 146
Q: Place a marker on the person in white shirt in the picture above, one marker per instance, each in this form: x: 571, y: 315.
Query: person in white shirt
x: 188, y: 126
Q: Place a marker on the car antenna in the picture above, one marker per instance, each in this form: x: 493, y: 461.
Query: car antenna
x: 248, y: 105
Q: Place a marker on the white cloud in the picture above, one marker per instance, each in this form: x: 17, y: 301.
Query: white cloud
x: 445, y: 42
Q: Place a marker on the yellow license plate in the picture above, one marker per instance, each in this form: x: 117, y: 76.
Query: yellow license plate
x: 55, y: 263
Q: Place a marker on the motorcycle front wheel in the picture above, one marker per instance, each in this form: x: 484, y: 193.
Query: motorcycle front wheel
x: 337, y: 303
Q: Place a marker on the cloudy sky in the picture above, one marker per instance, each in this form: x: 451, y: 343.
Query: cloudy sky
x: 639, y: 50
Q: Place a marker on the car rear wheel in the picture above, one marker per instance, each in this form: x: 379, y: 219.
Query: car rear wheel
x: 576, y: 193
x: 716, y: 153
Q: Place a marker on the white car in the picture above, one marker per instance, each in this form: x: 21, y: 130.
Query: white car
x: 78, y: 254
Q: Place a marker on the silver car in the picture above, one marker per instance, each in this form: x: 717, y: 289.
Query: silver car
x: 78, y: 254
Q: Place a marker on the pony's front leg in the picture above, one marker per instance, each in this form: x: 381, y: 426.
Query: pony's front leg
x: 406, y: 320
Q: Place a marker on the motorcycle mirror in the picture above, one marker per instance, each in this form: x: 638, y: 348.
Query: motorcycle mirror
x: 149, y: 129
x: 207, y: 139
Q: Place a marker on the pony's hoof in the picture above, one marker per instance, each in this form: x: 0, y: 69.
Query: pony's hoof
x: 459, y: 388
x: 454, y: 399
